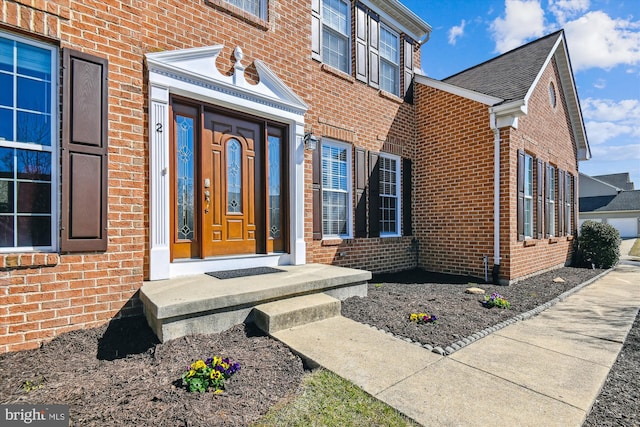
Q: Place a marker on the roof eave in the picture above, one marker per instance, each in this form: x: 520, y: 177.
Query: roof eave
x: 457, y: 90
x: 392, y: 10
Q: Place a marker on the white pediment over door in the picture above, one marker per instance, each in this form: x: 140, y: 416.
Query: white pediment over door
x: 197, y: 67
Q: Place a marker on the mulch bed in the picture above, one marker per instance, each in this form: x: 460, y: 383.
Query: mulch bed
x: 119, y: 375
x: 392, y: 298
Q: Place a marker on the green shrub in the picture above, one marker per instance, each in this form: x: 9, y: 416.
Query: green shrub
x: 599, y: 244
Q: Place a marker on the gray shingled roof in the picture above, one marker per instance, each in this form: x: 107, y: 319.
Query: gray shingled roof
x: 623, y: 201
x: 510, y: 75
x: 620, y: 180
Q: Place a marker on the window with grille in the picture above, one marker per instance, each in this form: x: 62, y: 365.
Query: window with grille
x: 389, y: 195
x: 528, y: 196
x: 336, y: 190
x: 389, y: 60
x: 28, y: 154
x: 336, y: 31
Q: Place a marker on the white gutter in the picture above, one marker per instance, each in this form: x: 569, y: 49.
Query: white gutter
x: 496, y: 196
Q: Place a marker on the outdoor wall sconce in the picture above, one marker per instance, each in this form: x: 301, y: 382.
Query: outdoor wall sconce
x: 310, y: 141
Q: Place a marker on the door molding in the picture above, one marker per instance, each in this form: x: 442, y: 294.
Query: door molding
x: 192, y: 73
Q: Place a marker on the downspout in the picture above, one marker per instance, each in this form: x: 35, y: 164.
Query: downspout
x: 496, y: 200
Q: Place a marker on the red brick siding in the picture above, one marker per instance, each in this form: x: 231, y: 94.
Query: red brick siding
x: 545, y: 133
x: 453, y: 213
x: 43, y: 295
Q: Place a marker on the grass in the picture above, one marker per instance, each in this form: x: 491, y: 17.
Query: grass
x: 635, y: 249
x: 328, y: 400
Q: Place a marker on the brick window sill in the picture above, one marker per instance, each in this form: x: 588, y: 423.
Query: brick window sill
x: 388, y: 95
x: 530, y: 242
x: 332, y: 242
x: 28, y: 260
x: 553, y: 240
x: 335, y: 72
x: 570, y: 238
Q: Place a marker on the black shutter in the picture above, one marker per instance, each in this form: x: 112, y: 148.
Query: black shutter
x: 539, y: 196
x: 520, y: 184
x: 316, y: 167
x: 408, y: 64
x: 407, y: 225
x: 561, y: 196
x: 361, y: 196
x: 574, y: 222
x: 567, y: 203
x: 374, y: 195
x: 361, y: 42
x: 316, y: 30
x: 547, y: 198
x: 84, y: 152
x: 374, y: 55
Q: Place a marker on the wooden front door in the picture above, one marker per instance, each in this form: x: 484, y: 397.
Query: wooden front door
x: 229, y: 181
x: 229, y: 185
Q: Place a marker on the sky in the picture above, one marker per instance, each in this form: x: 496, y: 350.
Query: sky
x: 603, y: 38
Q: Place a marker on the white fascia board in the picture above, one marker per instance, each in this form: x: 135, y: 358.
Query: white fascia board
x: 570, y: 94
x: 457, y: 90
x: 403, y: 19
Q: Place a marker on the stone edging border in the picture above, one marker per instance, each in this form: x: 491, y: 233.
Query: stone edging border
x: 453, y: 347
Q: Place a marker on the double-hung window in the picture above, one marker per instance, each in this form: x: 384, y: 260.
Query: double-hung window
x: 336, y: 190
x: 389, y: 195
x: 257, y: 8
x: 336, y: 32
x: 551, y: 211
x: 528, y: 196
x: 28, y: 155
x: 389, y: 60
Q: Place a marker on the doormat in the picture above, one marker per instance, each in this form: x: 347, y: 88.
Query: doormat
x: 244, y: 272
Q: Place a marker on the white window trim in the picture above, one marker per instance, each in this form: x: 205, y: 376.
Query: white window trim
x: 398, y: 232
x: 52, y: 148
x: 528, y: 198
x: 347, y: 36
x: 396, y: 64
x: 349, y: 207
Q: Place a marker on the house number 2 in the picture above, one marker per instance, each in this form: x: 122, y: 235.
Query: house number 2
x: 159, y: 127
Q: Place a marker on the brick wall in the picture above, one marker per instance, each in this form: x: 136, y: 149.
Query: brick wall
x: 545, y: 133
x: 453, y: 212
x: 43, y: 295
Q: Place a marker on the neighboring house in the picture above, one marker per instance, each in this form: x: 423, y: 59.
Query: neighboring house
x: 611, y: 199
x: 151, y: 140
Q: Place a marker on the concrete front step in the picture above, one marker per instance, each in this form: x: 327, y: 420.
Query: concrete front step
x: 203, y: 304
x: 287, y: 313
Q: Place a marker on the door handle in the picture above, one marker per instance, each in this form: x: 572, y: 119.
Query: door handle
x: 207, y: 200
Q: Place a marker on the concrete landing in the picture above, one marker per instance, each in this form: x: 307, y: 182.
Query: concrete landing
x: 203, y: 304
x: 545, y: 371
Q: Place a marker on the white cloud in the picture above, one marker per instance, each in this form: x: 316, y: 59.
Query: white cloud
x: 600, y: 132
x: 600, y: 84
x: 523, y: 20
x: 565, y: 9
x: 626, y: 110
x: 597, y: 40
x: 608, y: 119
x: 456, y: 32
x: 616, y: 153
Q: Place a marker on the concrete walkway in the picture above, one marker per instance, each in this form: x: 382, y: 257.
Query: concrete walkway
x: 545, y: 371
